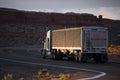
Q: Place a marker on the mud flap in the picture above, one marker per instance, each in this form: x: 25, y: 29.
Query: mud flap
x: 104, y: 58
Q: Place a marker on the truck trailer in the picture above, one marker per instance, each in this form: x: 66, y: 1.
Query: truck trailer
x: 80, y: 44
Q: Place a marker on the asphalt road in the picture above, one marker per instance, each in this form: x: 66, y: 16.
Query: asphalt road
x: 112, y: 69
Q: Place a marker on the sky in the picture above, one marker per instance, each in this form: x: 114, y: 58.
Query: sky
x: 107, y: 8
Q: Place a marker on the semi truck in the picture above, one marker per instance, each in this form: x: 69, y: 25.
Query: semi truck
x: 81, y: 44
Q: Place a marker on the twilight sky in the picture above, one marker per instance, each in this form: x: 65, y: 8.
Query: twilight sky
x: 107, y: 8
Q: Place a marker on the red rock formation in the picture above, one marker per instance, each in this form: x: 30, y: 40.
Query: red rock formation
x: 22, y: 27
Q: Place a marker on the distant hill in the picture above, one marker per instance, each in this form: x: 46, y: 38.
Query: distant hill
x: 19, y: 27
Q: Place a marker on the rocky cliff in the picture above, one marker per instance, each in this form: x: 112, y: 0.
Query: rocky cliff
x: 25, y: 27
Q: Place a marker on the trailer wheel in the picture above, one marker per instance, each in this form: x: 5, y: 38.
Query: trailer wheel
x: 77, y: 58
x: 97, y: 58
x: 100, y: 58
x: 104, y: 58
x: 84, y: 58
x: 71, y: 58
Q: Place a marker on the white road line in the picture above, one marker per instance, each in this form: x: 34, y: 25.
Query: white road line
x: 101, y: 74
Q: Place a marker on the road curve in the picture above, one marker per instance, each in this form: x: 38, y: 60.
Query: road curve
x: 100, y: 74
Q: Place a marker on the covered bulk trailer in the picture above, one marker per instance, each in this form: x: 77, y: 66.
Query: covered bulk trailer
x: 81, y: 43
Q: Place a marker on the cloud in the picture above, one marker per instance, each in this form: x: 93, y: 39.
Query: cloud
x: 107, y: 12
x: 110, y: 12
x: 70, y: 10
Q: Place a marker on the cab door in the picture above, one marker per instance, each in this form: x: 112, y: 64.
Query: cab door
x: 48, y: 40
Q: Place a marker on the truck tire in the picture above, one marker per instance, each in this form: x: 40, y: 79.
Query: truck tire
x: 84, y: 58
x: 56, y: 56
x: 97, y: 58
x: 77, y: 58
x: 104, y: 58
x: 71, y: 58
x: 53, y: 56
x: 100, y: 58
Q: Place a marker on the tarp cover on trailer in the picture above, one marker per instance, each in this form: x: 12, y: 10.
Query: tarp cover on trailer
x: 66, y: 38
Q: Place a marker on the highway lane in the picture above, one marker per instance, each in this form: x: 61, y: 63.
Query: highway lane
x: 111, y: 69
x: 98, y: 75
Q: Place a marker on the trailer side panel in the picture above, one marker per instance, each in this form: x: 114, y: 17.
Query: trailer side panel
x: 66, y: 39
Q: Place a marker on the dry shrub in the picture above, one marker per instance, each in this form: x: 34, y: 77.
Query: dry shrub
x: 41, y: 75
x: 44, y: 75
x: 8, y: 77
x: 114, y: 49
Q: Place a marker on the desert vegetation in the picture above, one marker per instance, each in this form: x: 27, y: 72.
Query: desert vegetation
x: 41, y: 75
x: 114, y: 49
